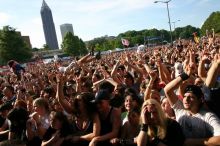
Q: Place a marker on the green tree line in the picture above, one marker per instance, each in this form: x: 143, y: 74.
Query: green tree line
x: 142, y: 37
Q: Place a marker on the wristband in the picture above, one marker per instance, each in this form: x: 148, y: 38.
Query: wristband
x: 184, y: 76
x: 144, y: 127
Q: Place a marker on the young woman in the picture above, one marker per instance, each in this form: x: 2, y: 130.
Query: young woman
x: 85, y: 120
x: 38, y: 122
x: 131, y: 101
x: 59, y: 129
x: 156, y: 128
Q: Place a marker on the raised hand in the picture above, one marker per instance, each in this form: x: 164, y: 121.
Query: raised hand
x: 60, y: 78
x: 153, y: 75
x: 145, y: 115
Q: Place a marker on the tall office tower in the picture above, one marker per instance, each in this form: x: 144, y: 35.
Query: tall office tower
x: 64, y: 28
x: 48, y: 26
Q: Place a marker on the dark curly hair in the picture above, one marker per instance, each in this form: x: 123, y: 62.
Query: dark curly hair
x: 66, y: 128
x: 86, y: 97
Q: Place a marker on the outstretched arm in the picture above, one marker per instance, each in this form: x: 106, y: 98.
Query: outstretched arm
x: 213, y: 72
x: 201, y: 69
x: 169, y: 90
x: 60, y: 96
x: 147, y: 92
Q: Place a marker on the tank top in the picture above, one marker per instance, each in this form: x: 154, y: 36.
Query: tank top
x: 87, y: 130
x: 106, y: 125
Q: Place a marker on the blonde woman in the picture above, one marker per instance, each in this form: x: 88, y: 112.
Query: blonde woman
x: 38, y: 122
x: 156, y: 128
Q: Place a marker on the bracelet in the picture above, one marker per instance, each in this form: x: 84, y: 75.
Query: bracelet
x: 184, y: 76
x: 144, y: 127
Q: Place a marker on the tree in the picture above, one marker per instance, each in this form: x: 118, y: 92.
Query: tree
x: 35, y: 49
x: 213, y: 21
x: 12, y: 46
x: 186, y: 32
x: 72, y: 45
x: 46, y: 47
x: 150, y: 36
x: 83, y: 49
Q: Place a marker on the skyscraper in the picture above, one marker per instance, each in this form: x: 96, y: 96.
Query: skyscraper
x: 48, y: 26
x: 64, y: 28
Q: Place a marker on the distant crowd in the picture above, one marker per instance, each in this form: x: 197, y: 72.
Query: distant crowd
x: 161, y: 96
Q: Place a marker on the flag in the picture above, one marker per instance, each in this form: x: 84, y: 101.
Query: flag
x: 196, y: 38
x: 125, y: 42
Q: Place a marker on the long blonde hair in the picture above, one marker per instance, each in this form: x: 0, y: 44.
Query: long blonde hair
x: 162, y: 125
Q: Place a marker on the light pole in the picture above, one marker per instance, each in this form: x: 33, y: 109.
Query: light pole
x: 167, y: 3
x: 174, y: 27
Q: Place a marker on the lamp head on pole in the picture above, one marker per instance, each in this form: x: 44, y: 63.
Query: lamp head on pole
x: 162, y: 1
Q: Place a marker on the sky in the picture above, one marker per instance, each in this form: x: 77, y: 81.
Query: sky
x: 96, y: 18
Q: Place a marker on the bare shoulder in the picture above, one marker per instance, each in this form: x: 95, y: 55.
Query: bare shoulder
x: 116, y: 111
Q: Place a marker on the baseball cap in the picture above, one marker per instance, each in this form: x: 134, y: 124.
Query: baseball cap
x: 196, y: 90
x: 101, y: 95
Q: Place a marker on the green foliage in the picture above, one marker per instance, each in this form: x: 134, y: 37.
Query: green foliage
x: 12, y: 46
x: 213, y: 21
x: 97, y: 43
x: 72, y: 45
x: 186, y: 32
x: 46, y: 47
x: 140, y: 37
x: 35, y: 49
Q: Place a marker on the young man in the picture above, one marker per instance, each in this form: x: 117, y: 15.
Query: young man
x: 109, y: 119
x: 200, y: 126
x: 9, y: 95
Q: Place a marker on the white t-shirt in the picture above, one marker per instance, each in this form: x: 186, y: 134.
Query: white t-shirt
x: 204, y: 124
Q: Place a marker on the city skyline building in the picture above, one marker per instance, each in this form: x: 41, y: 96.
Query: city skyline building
x: 65, y: 28
x: 48, y: 26
x: 26, y: 39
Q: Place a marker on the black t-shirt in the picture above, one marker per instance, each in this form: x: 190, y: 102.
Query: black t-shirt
x: 174, y: 135
x: 17, y: 125
x: 2, y: 121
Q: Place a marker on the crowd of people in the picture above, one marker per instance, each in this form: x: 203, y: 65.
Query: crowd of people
x: 162, y: 96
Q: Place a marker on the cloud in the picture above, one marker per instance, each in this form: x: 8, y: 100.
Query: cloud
x: 95, y: 6
x: 4, y: 18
